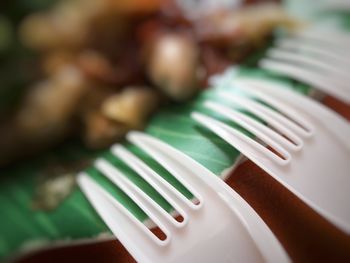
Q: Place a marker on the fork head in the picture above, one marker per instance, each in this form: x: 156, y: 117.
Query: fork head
x: 316, y: 57
x: 300, y: 148
x: 210, y: 227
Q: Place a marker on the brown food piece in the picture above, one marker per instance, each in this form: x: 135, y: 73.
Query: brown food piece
x: 49, y: 106
x: 54, y: 30
x: 52, y: 191
x: 99, y: 68
x: 132, y: 106
x: 96, y: 66
x: 173, y: 65
x: 101, y: 132
x: 56, y: 60
x: 134, y: 7
x: 68, y: 24
x: 56, y: 182
x: 117, y: 114
x: 214, y: 60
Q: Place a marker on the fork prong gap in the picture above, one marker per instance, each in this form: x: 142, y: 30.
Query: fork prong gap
x: 158, y: 232
x: 161, y: 170
x: 263, y: 134
x: 179, y: 218
x: 228, y: 133
x: 153, y: 178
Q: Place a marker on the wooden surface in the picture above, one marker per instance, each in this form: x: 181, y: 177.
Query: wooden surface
x: 306, y: 236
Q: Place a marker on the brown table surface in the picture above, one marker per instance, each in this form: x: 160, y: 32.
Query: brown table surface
x: 306, y: 236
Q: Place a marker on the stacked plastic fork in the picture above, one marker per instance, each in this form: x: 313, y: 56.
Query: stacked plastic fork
x: 295, y: 139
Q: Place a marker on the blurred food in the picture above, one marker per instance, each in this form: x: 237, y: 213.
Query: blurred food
x: 49, y: 106
x: 55, y: 183
x: 173, y: 65
x: 53, y: 190
x: 132, y: 106
x: 119, y: 113
x: 100, y: 131
x: 102, y: 67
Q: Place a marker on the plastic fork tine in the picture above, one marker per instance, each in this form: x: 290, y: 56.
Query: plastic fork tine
x: 170, y: 158
x: 277, y: 93
x: 162, y: 150
x: 308, y: 76
x: 333, y: 47
x: 169, y: 193
x: 306, y: 60
x: 337, y: 39
x: 335, y: 5
x: 273, y: 118
x: 327, y: 53
x: 272, y: 250
x: 261, y: 131
x: 199, y: 172
x: 158, y: 152
x: 310, y: 68
x: 124, y: 225
x: 240, y: 141
x: 150, y: 207
x: 172, y: 154
x: 306, y: 131
x: 175, y: 168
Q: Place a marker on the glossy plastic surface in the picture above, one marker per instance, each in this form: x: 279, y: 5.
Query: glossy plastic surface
x: 308, y: 172
x: 222, y: 227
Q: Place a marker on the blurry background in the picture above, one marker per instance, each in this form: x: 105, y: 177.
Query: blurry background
x: 94, y: 69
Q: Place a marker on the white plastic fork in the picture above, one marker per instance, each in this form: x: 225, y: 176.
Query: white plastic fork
x: 264, y: 89
x: 318, y: 57
x: 313, y: 163
x: 335, y: 5
x: 308, y: 9
x: 222, y: 227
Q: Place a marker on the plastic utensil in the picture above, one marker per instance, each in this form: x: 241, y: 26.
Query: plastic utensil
x: 220, y: 227
x: 309, y: 143
x: 318, y: 57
